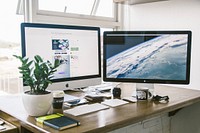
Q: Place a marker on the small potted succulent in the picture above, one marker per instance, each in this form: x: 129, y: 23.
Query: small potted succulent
x: 37, y: 75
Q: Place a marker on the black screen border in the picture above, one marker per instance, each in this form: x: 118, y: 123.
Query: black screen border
x: 186, y: 81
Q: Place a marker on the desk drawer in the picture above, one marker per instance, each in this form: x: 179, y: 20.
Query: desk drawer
x: 9, y: 128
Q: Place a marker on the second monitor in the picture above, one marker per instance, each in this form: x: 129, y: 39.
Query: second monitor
x: 147, y: 56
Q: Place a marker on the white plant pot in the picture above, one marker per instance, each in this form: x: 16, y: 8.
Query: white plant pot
x: 37, y: 105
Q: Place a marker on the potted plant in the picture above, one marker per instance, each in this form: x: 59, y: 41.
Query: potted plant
x: 37, y: 75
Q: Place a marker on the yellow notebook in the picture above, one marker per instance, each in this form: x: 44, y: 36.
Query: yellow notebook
x: 47, y: 117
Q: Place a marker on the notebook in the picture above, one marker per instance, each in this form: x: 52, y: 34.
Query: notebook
x: 58, y: 121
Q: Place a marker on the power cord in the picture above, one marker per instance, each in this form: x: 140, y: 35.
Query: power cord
x: 160, y: 99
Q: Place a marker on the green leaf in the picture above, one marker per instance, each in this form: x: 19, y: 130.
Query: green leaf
x: 24, y: 61
x: 29, y: 63
x: 18, y: 57
x: 38, y: 58
x: 56, y: 63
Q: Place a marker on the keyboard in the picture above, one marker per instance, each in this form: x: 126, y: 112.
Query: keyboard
x: 85, y: 109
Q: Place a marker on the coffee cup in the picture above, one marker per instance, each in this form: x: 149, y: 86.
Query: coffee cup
x: 58, y: 99
x: 142, y: 93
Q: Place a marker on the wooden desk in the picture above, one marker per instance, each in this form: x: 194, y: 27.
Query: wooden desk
x: 104, y: 120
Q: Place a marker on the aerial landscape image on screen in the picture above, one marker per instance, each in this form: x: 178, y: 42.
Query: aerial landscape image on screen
x: 162, y: 57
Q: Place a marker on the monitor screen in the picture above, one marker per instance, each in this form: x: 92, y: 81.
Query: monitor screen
x: 147, y: 56
x: 77, y: 48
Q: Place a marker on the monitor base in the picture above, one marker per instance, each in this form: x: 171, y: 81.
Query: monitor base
x: 137, y: 86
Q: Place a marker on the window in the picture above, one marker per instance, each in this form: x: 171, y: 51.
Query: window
x: 102, y: 13
x: 102, y: 8
x: 9, y: 45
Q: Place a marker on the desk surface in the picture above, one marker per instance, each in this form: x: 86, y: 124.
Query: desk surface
x: 109, y: 119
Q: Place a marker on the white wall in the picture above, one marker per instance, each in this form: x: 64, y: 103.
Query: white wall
x: 170, y: 15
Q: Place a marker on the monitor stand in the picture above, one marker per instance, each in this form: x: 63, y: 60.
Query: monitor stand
x: 134, y: 86
x: 126, y: 88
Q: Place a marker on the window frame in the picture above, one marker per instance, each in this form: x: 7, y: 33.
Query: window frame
x: 33, y: 14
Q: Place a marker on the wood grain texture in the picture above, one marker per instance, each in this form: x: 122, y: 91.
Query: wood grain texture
x: 112, y: 118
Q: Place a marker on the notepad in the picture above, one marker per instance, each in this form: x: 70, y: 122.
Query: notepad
x: 114, y: 102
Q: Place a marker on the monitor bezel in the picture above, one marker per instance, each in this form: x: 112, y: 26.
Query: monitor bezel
x: 186, y: 81
x: 58, y: 26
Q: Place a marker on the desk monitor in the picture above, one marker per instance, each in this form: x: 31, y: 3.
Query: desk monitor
x: 77, y: 48
x: 147, y: 57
